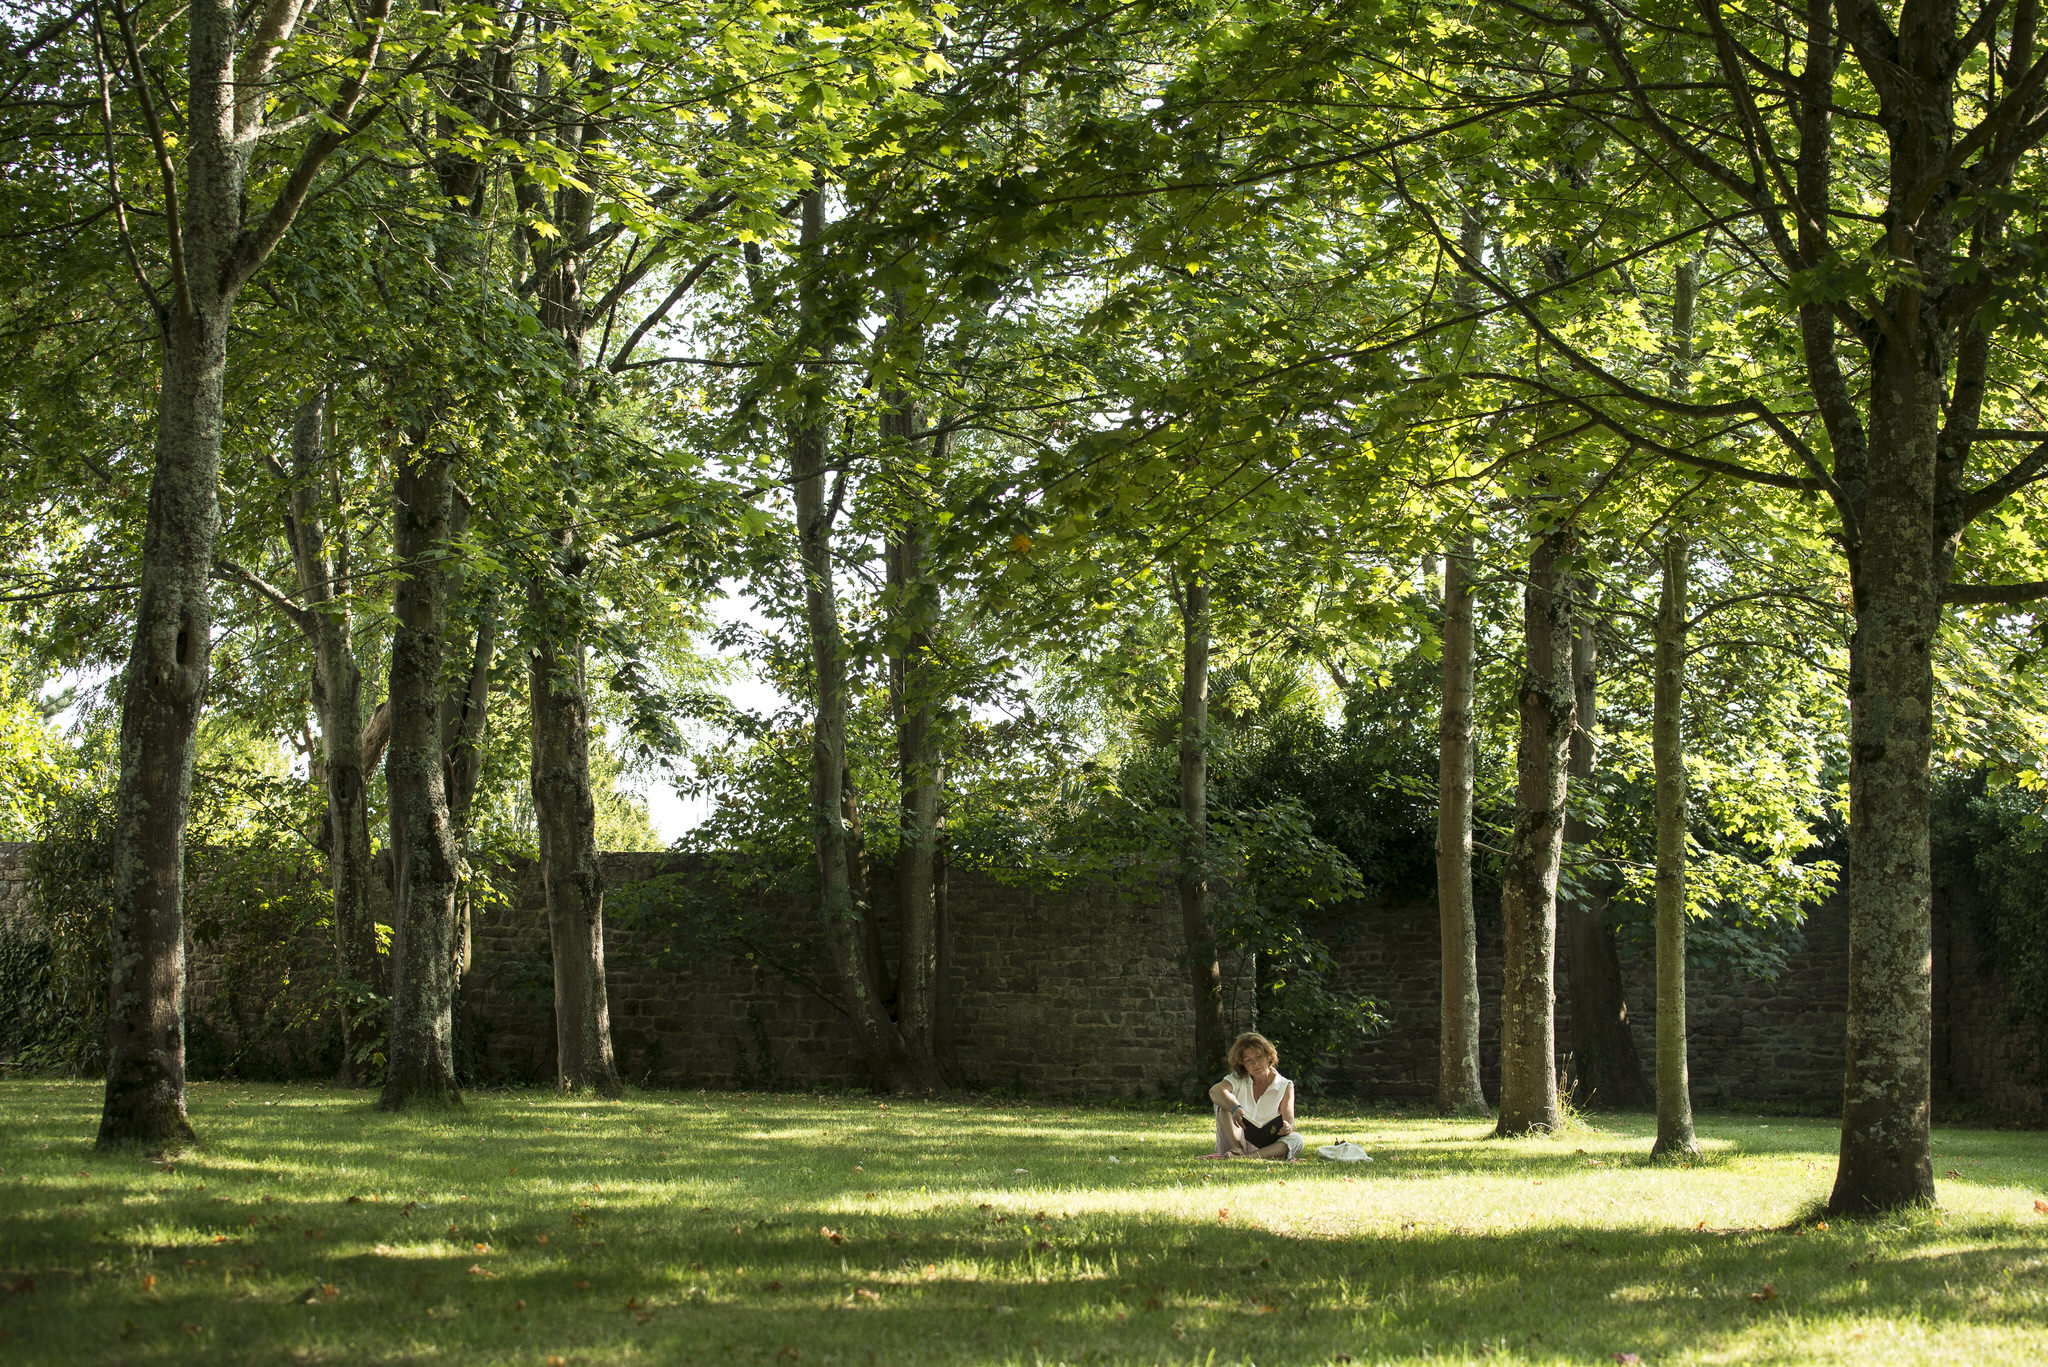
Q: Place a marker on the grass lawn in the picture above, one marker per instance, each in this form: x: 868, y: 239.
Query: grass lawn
x: 692, y: 1227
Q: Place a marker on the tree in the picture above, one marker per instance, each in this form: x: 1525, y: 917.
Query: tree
x: 215, y: 239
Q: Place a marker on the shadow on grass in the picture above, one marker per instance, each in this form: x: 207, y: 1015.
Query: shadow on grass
x: 632, y: 1236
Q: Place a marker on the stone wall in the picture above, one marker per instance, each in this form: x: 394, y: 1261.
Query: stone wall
x: 1079, y: 992
x: 1778, y: 1041
x: 1082, y: 992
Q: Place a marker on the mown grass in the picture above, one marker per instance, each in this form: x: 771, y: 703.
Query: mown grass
x: 307, y: 1227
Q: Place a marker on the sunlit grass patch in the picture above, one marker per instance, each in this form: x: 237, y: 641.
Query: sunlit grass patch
x: 306, y: 1226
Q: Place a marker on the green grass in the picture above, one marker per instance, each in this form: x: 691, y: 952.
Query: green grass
x: 307, y: 1227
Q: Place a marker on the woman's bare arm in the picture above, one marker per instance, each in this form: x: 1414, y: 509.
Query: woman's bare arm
x: 1287, y: 1108
x: 1223, y: 1096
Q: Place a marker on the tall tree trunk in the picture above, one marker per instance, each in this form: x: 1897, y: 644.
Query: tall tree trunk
x: 572, y: 876
x: 1205, y: 967
x: 164, y: 687
x: 1606, y: 1068
x: 1667, y: 745
x: 1458, y: 1090
x: 859, y: 879
x: 918, y: 777
x: 322, y: 567
x: 162, y: 694
x: 422, y: 1062
x: 845, y: 936
x: 914, y: 685
x: 211, y: 254
x: 1886, y: 1159
x: 1528, y: 899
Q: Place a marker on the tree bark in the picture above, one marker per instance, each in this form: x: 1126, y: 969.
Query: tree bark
x: 1545, y: 701
x: 1458, y: 1088
x: 1606, y: 1069
x: 164, y: 687
x: 1667, y: 745
x: 915, y: 684
x: 1886, y: 1157
x: 422, y: 1063
x: 845, y: 936
x: 322, y: 564
x: 162, y: 694
x: 1205, y: 967
x: 1902, y: 497
x: 572, y: 876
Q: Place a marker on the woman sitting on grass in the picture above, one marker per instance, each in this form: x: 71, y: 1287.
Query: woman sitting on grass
x: 1255, y: 1105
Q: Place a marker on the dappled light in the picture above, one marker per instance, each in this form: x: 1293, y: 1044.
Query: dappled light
x: 308, y: 1226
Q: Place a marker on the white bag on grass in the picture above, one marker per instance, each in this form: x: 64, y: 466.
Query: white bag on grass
x: 1344, y: 1151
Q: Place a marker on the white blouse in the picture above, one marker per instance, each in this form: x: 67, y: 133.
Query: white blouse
x: 1259, y: 1110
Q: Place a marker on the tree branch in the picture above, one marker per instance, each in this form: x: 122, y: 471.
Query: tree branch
x: 174, y: 231
x: 256, y: 243
x: 1995, y: 595
x: 230, y: 572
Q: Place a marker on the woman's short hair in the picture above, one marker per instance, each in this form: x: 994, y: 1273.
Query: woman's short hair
x: 1251, y: 1041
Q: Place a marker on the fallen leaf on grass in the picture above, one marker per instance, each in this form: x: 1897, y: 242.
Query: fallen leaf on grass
x: 185, y: 1328
x: 23, y: 1287
x: 863, y: 1293
x: 353, y: 1201
x: 1627, y: 1359
x: 410, y: 1207
x: 149, y: 1282
x: 1223, y: 1215
x: 483, y: 1248
x: 580, y: 1286
x: 1769, y: 1293
x: 787, y: 1354
x: 1041, y: 1246
x: 557, y: 1360
x: 1151, y: 1302
x: 2040, y: 1207
x: 479, y: 1270
x: 1343, y: 1357
x: 775, y: 1286
x: 519, y: 1305
x: 1952, y: 1173
x: 834, y: 1235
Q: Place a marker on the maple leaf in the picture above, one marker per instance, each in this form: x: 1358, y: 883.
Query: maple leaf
x: 1769, y: 1293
